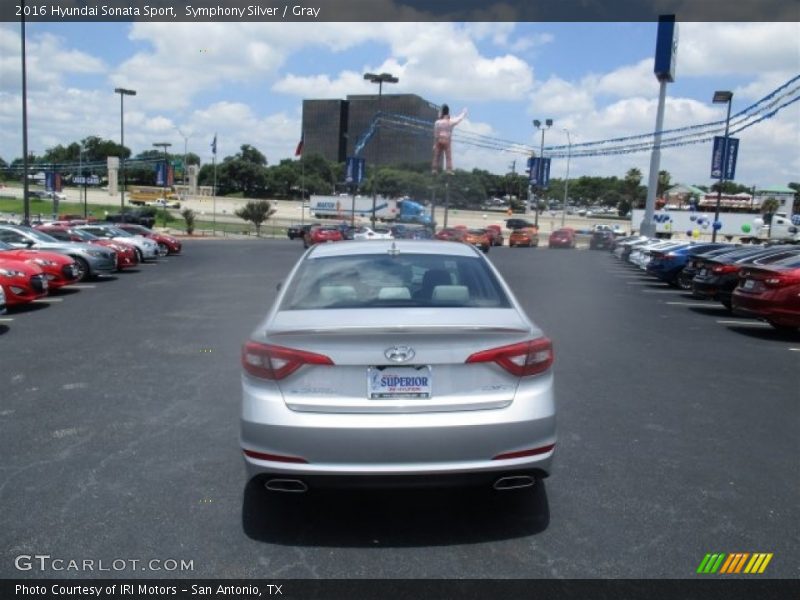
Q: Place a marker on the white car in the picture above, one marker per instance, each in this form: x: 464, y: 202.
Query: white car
x: 367, y: 233
x: 146, y: 249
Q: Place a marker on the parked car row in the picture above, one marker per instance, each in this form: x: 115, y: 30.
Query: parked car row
x: 761, y: 281
x: 35, y: 260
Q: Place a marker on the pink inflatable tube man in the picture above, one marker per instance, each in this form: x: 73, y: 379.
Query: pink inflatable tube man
x: 442, y: 138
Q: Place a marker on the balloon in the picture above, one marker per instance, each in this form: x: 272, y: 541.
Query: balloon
x: 668, y: 227
x: 696, y: 234
x: 693, y: 217
x: 717, y: 225
x: 705, y: 225
x: 688, y: 233
x: 746, y: 228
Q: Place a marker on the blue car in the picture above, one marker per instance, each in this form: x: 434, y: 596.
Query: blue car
x: 667, y: 265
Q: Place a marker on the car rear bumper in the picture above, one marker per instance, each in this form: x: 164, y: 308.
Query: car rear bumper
x: 426, y: 445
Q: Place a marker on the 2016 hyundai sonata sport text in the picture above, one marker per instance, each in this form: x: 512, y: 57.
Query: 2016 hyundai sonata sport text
x: 389, y: 363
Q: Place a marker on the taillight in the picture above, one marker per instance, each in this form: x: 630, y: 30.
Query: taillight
x: 523, y: 359
x: 782, y: 280
x: 267, y: 361
x: 722, y: 269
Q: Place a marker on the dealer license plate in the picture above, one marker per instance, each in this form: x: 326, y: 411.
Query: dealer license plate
x: 749, y: 284
x: 399, y: 382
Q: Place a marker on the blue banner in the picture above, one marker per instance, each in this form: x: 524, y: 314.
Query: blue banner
x: 160, y: 170
x: 723, y: 159
x: 540, y: 172
x: 354, y: 170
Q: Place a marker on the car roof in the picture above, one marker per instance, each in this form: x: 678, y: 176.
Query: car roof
x: 349, y: 247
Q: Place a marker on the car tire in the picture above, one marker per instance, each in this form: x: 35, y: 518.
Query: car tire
x: 163, y: 249
x: 84, y: 272
x: 727, y: 304
x: 684, y: 283
x: 139, y: 255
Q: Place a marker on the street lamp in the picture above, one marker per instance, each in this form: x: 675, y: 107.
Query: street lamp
x: 721, y: 97
x: 380, y: 80
x: 566, y: 183
x: 122, y: 93
x: 185, y: 151
x: 548, y: 123
x: 164, y: 145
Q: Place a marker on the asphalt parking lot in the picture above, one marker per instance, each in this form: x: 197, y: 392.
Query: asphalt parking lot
x: 678, y: 435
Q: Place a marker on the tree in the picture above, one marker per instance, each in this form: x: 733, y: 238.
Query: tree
x: 189, y: 216
x: 256, y: 212
x: 769, y: 207
x: 796, y: 204
x: 632, y: 188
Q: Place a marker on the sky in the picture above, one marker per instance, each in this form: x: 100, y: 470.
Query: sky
x: 245, y: 82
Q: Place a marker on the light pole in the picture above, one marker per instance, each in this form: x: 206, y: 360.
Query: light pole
x: 380, y: 80
x: 185, y: 151
x: 566, y: 183
x: 26, y: 201
x: 548, y: 123
x: 721, y: 97
x: 122, y: 93
x: 164, y: 145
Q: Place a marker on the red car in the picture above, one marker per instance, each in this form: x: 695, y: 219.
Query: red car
x: 126, y: 253
x: 770, y: 293
x: 59, y: 269
x: 479, y: 238
x: 166, y: 243
x: 321, y: 234
x: 22, y: 282
x: 451, y: 234
x: 495, y: 234
x: 562, y: 238
x: 524, y: 236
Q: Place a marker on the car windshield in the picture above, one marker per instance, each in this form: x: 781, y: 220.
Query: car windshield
x: 42, y: 237
x: 407, y: 280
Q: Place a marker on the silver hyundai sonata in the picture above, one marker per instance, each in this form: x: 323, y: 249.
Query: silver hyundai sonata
x: 392, y: 363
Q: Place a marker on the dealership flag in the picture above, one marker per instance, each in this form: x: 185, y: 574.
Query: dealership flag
x: 299, y: 150
x: 214, y: 145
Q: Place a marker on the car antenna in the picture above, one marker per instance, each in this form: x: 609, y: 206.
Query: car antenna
x: 393, y: 250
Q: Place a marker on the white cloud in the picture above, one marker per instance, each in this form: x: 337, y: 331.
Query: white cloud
x: 48, y: 61
x: 740, y: 49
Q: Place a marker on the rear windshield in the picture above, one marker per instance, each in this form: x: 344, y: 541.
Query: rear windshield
x: 406, y: 280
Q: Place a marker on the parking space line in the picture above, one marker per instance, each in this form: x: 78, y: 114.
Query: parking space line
x: 794, y: 349
x: 48, y: 300
x: 664, y: 291
x: 745, y: 323
x: 82, y: 286
x: 646, y: 282
x: 9, y: 319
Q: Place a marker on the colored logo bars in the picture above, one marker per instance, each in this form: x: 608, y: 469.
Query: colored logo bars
x: 738, y: 562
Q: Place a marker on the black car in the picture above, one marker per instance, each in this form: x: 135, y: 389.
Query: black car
x: 718, y: 277
x: 513, y: 224
x: 602, y: 240
x: 299, y: 230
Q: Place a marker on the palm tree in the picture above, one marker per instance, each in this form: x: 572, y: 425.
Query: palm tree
x: 769, y: 207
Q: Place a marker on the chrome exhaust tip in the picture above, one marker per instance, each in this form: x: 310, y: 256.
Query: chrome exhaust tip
x: 514, y: 482
x: 286, y: 485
